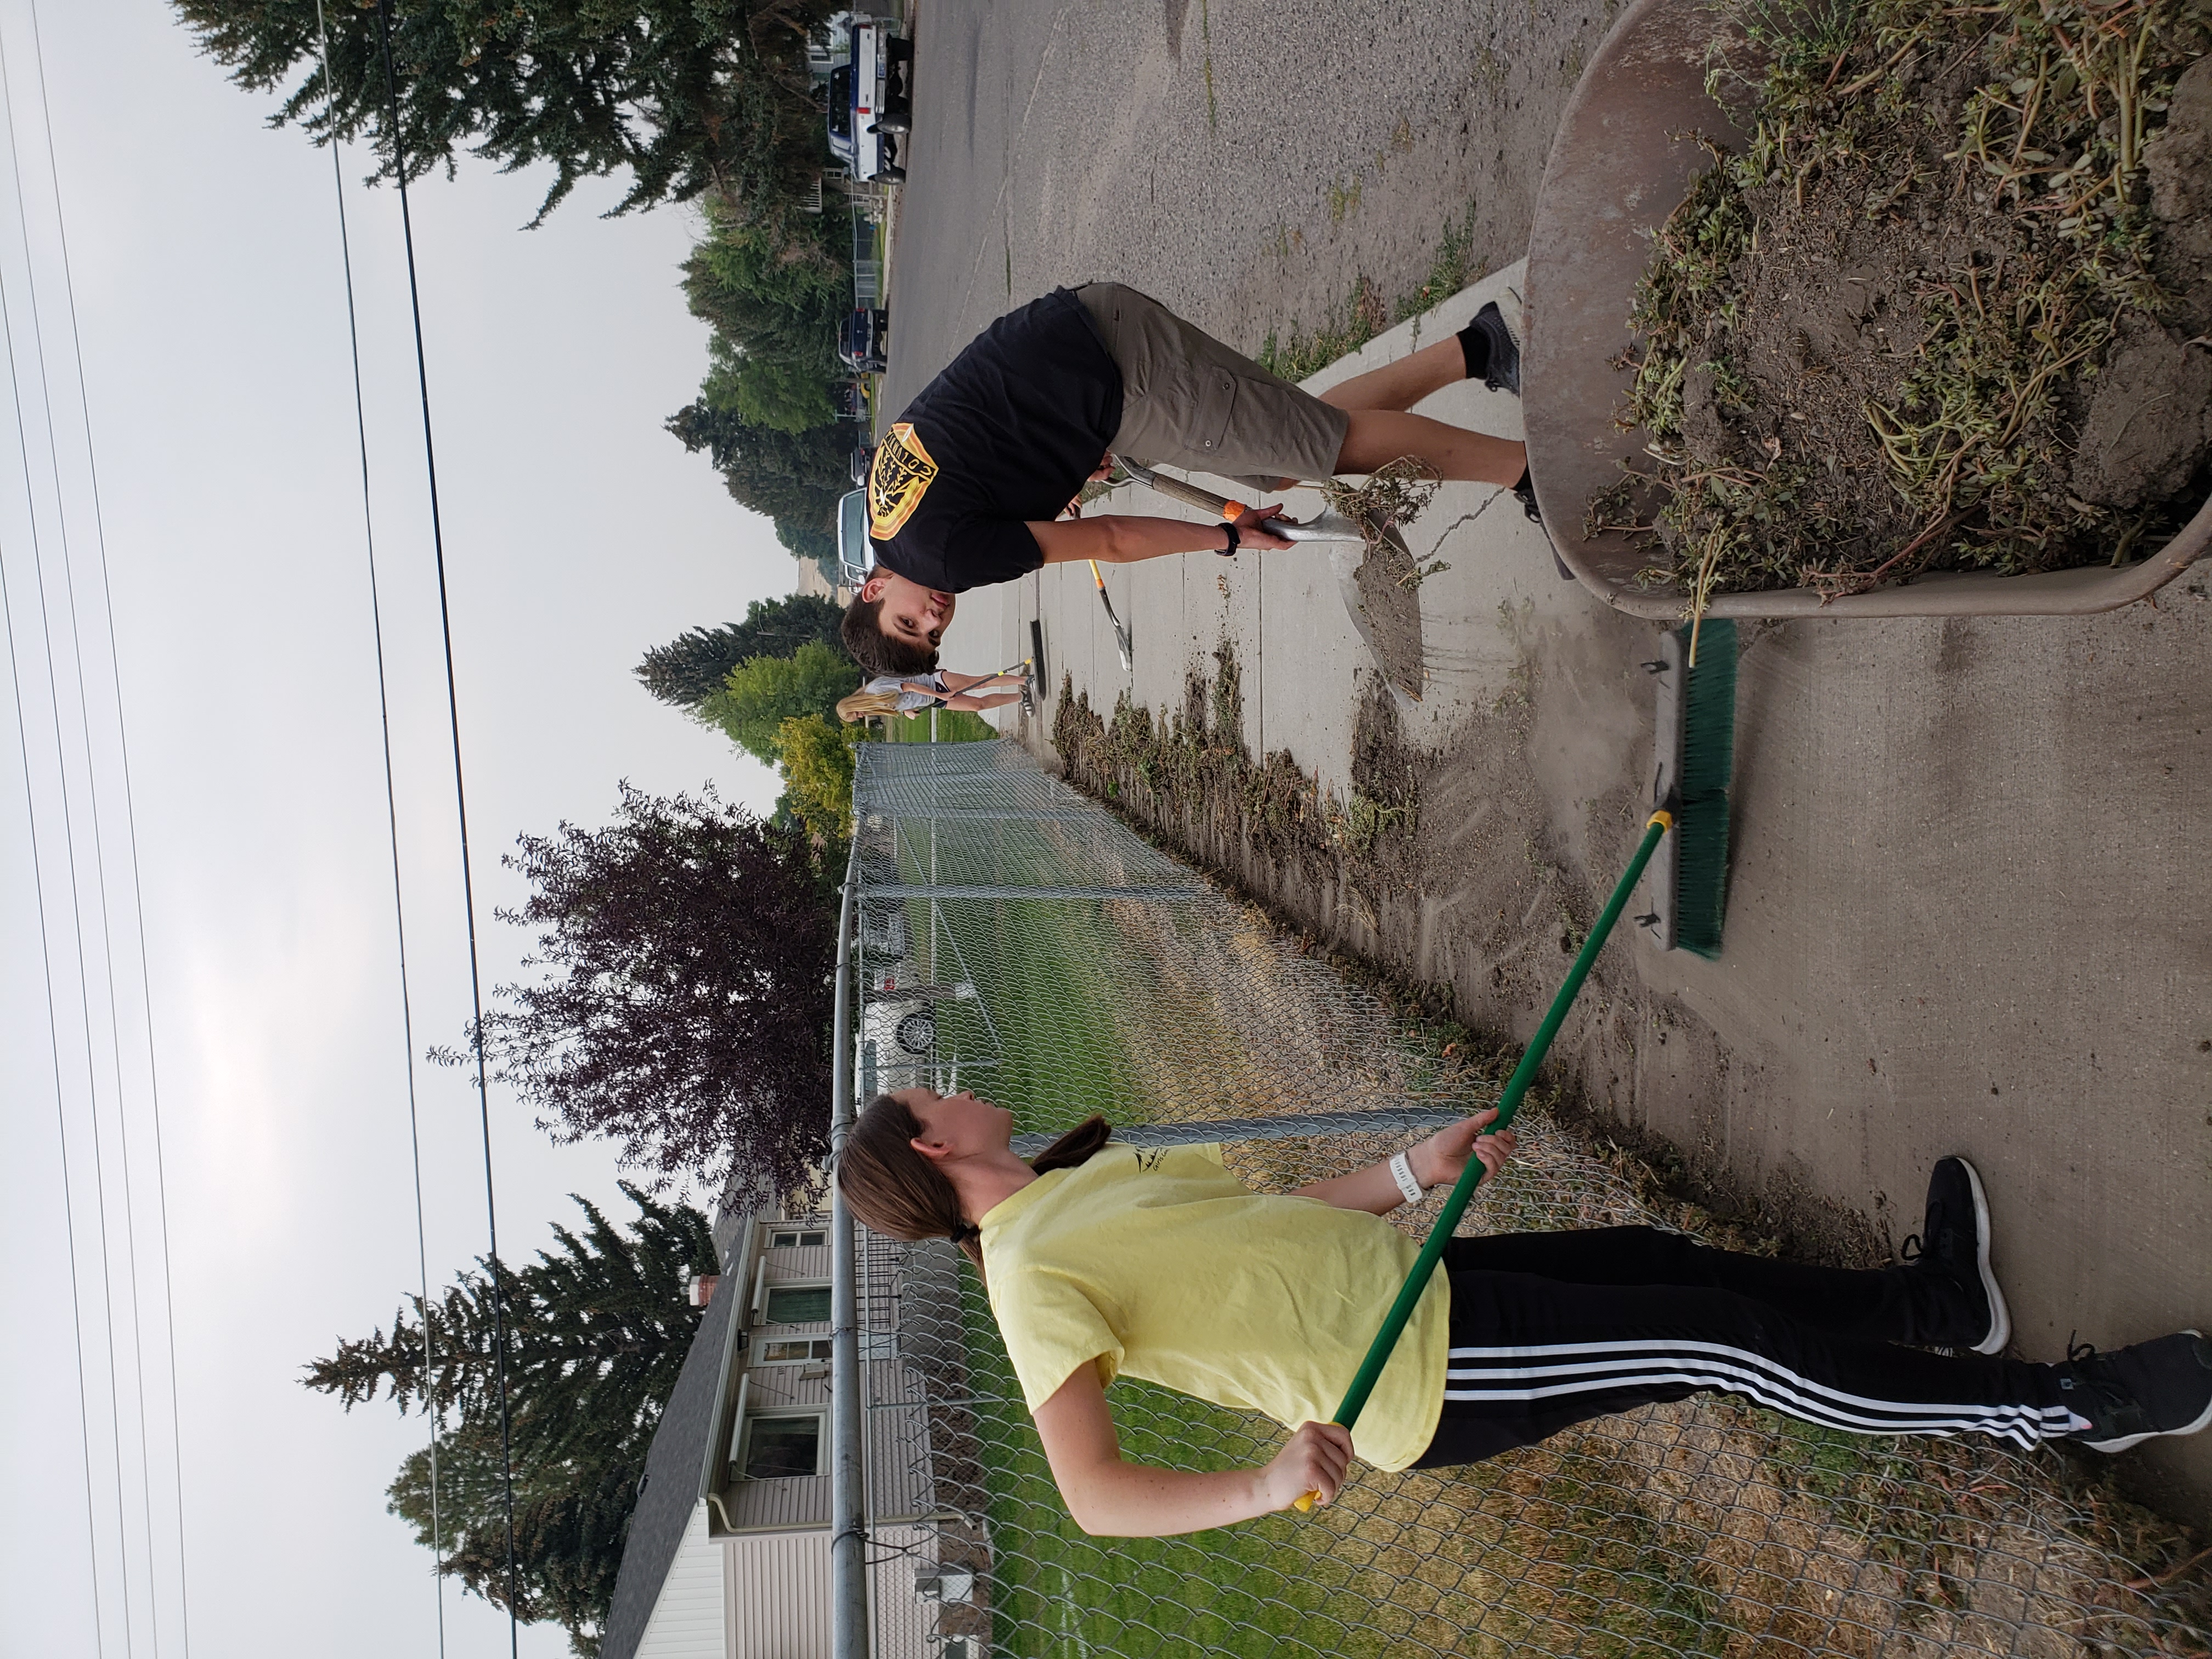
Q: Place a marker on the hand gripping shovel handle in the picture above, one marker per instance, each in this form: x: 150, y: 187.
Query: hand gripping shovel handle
x: 1327, y: 527
x: 1532, y: 1060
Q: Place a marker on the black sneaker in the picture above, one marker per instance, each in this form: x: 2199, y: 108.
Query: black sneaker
x: 2151, y: 1389
x: 1500, y: 329
x: 1953, y: 1248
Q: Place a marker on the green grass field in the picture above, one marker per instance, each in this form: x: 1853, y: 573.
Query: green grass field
x: 953, y: 726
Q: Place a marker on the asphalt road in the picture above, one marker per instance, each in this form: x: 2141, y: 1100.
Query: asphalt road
x: 1244, y: 163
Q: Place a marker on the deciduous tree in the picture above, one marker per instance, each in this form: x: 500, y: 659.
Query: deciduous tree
x: 764, y: 692
x: 817, y: 759
x: 684, y: 1011
x: 692, y: 666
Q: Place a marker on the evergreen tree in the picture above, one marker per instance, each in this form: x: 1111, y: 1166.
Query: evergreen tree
x: 762, y: 693
x: 571, y: 1522
x: 691, y: 667
x: 762, y: 288
x: 685, y: 94
x: 686, y: 1011
x: 783, y: 392
x: 598, y: 1328
x: 795, y: 475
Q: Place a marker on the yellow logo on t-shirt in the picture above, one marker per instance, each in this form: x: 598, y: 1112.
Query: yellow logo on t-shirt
x: 897, y: 480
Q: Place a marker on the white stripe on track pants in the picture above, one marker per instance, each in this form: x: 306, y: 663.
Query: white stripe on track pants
x: 1551, y: 1329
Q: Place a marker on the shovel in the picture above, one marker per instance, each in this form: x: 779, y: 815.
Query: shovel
x: 1322, y: 527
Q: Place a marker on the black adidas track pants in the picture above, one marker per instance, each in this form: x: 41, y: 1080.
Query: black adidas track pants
x: 1551, y: 1329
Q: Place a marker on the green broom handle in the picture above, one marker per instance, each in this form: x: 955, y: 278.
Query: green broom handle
x: 1432, y: 1250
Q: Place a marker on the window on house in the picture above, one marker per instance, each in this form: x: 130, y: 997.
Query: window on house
x: 796, y: 1238
x: 814, y: 1347
x: 782, y: 1448
x: 799, y: 1304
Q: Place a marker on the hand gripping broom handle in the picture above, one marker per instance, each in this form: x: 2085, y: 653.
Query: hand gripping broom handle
x: 1532, y: 1058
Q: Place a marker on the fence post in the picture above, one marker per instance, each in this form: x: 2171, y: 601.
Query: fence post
x: 848, y: 1535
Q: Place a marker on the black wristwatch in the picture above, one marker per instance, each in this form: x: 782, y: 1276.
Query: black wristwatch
x: 1234, y: 539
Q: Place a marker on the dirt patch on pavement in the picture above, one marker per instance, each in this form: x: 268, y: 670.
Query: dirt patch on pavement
x: 1188, y: 779
x: 1390, y: 609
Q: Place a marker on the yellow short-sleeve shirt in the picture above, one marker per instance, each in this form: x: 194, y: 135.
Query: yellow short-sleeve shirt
x: 1159, y: 1263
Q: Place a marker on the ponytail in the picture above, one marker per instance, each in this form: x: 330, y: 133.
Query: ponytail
x: 1074, y: 1148
x: 863, y: 703
x: 900, y: 1194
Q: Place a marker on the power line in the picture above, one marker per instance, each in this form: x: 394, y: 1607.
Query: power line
x: 137, y: 889
x: 391, y: 817
x: 61, y: 1117
x: 76, y: 921
x: 461, y: 807
x: 100, y: 875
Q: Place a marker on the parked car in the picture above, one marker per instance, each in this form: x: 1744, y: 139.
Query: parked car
x: 868, y: 101
x: 863, y: 458
x: 898, y: 1012
x: 856, y: 555
x: 864, y: 341
x: 850, y: 400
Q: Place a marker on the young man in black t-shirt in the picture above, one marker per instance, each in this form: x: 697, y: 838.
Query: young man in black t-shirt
x: 969, y: 483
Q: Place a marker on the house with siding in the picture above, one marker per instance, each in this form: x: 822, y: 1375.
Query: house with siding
x: 728, y: 1554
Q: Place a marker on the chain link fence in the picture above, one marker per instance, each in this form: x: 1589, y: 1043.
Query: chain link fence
x: 1016, y: 938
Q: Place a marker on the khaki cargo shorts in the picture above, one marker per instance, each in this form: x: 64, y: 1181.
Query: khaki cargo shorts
x: 1189, y: 401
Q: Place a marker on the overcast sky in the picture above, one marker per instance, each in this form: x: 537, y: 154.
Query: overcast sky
x: 210, y: 296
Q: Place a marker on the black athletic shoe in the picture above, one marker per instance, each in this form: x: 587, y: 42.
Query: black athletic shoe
x: 1500, y: 329
x: 2149, y: 1390
x: 1525, y: 493
x: 1952, y: 1248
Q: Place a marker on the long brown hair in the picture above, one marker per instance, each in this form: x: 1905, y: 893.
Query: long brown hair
x: 862, y: 705
x: 901, y: 1194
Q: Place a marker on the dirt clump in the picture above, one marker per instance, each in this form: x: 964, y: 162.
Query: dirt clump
x: 1391, y: 609
x: 1388, y: 577
x: 2180, y: 164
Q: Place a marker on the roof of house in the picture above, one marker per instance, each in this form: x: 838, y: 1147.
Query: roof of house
x: 671, y: 1490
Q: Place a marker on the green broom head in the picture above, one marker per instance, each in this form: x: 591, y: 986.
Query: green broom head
x: 1701, y: 827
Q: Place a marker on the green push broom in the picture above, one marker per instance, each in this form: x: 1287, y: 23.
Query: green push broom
x: 1696, y: 741
x: 1696, y: 749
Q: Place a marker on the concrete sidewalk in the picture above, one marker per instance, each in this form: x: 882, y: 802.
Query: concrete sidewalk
x: 1304, y: 663
x: 1969, y: 891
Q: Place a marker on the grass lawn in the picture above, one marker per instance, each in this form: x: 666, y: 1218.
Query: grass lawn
x: 953, y: 726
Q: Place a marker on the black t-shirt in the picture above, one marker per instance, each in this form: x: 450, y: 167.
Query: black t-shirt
x: 1007, y: 435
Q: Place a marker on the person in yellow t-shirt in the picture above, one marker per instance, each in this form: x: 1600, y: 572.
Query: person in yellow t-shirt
x: 1104, y: 1260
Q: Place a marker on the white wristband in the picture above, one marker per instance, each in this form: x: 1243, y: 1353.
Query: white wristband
x: 1401, y: 1171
